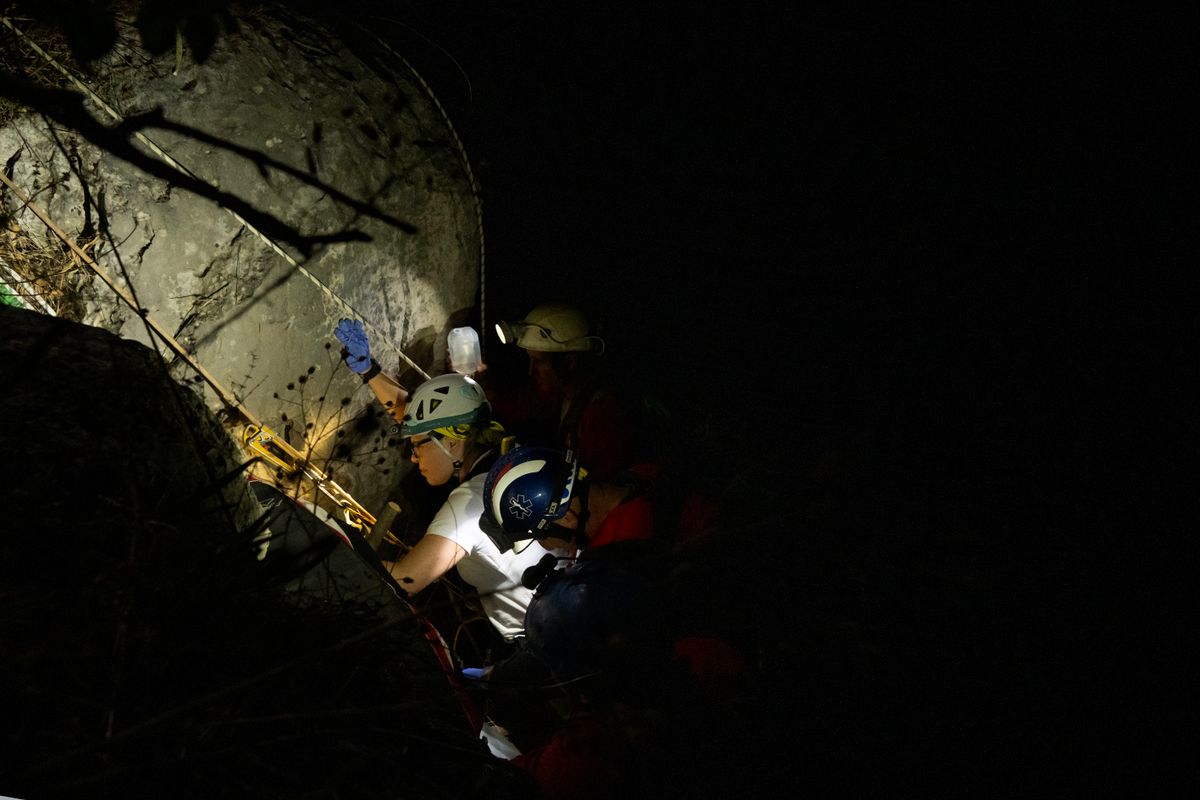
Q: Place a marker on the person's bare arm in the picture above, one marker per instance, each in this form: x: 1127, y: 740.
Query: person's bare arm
x: 430, y: 559
x: 391, y: 394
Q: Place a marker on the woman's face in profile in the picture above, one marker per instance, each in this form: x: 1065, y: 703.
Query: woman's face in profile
x: 436, y: 467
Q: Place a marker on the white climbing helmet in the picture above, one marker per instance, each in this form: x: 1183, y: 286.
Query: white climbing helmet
x: 446, y: 400
x: 552, y: 328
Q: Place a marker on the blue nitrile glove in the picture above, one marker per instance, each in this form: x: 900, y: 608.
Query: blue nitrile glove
x: 475, y: 673
x: 352, y: 336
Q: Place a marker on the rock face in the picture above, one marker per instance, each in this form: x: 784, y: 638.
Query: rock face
x: 139, y: 621
x: 358, y: 198
x: 98, y: 437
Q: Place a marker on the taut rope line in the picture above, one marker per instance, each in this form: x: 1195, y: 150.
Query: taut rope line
x: 256, y: 437
x: 466, y: 164
x: 181, y: 168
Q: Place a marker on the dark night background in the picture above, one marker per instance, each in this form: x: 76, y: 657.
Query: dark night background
x: 867, y: 256
x: 816, y: 223
x: 903, y: 229
x: 855, y: 214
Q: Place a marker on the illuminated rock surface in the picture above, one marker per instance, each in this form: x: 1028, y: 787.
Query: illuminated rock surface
x: 333, y: 149
x: 147, y: 651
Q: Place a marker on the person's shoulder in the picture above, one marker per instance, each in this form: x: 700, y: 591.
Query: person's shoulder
x: 465, y: 500
x: 473, y: 485
x: 468, y: 489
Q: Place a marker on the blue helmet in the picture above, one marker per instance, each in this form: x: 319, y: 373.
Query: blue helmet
x: 595, y: 616
x: 526, y: 490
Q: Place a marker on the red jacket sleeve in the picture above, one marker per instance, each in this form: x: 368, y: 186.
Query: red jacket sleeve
x: 583, y: 760
x: 605, y: 436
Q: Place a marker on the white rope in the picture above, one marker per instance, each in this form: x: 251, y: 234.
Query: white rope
x: 255, y: 436
x: 466, y: 164
x: 227, y: 397
x: 176, y: 165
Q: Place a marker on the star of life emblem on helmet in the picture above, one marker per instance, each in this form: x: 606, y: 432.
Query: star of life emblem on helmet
x: 520, y: 506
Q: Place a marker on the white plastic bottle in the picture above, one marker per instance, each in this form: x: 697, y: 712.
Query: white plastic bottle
x: 464, y: 350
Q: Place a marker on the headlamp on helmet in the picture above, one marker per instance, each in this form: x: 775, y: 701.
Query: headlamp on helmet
x: 551, y: 328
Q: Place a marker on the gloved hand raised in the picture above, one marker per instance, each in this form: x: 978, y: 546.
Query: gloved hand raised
x: 358, y: 353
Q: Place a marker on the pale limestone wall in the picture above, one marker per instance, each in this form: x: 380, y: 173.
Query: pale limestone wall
x: 350, y: 118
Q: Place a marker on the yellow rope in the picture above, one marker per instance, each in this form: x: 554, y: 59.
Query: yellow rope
x: 226, y: 396
x: 255, y: 435
x: 176, y: 165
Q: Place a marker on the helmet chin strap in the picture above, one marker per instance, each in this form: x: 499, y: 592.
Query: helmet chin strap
x: 458, y: 464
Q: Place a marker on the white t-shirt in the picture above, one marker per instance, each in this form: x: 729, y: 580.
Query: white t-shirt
x: 496, y: 576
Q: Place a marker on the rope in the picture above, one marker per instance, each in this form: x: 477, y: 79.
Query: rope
x: 256, y: 437
x: 466, y: 164
x: 226, y: 396
x: 181, y: 168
